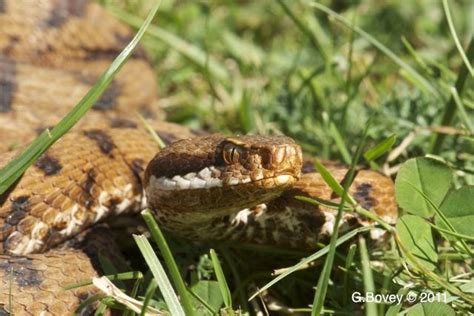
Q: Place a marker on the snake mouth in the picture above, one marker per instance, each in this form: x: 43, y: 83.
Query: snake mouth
x: 212, y: 177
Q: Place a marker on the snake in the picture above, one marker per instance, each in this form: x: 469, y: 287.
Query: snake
x: 200, y: 186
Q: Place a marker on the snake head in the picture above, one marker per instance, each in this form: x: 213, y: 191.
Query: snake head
x: 220, y: 173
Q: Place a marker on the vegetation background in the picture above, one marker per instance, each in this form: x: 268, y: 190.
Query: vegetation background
x: 317, y: 71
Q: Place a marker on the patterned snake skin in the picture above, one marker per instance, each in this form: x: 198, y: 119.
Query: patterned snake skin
x: 204, y: 187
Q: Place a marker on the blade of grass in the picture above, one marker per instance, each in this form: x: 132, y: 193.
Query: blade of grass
x: 321, y: 288
x: 150, y: 291
x: 425, y: 85
x: 221, y: 281
x: 133, y: 294
x: 305, y: 30
x: 331, y: 181
x: 320, y: 202
x: 347, y: 266
x: 454, y: 234
x: 152, y: 132
x: 369, y: 287
x: 433, y: 276
x: 112, y: 277
x: 381, y: 148
x: 117, y: 299
x: 100, y: 311
x: 169, y: 260
x: 450, y: 107
x: 159, y: 275
x: 336, y: 135
x: 86, y: 303
x: 304, y: 262
x: 13, y: 170
x: 192, y: 52
x: 462, y: 111
x: 456, y: 39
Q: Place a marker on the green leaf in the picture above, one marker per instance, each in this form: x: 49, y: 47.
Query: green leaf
x: 209, y: 292
x: 468, y: 287
x: 305, y: 261
x: 429, y: 176
x: 458, y: 207
x: 331, y: 181
x: 415, y: 234
x: 427, y: 309
x: 159, y: 275
x: 178, y: 281
x: 224, y: 288
x: 380, y: 149
x: 369, y: 286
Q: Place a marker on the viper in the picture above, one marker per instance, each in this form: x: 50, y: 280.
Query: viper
x: 201, y: 186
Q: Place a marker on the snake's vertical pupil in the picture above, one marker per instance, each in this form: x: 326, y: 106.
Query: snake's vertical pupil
x: 235, y: 155
x: 231, y: 153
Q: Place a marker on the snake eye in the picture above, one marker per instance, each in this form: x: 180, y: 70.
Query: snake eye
x: 231, y: 154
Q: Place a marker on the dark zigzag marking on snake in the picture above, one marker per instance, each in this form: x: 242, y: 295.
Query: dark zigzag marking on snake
x: 122, y: 123
x: 102, y: 139
x: 87, y: 187
x: 19, y: 209
x: 48, y: 164
x: 7, y: 83
x: 65, y: 9
x: 22, y: 271
x: 363, y: 195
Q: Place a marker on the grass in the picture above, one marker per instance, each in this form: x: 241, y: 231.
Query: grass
x: 315, y: 71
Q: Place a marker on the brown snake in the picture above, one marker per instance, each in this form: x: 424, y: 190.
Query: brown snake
x: 209, y: 187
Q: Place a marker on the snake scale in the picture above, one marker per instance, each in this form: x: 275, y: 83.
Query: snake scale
x: 204, y: 187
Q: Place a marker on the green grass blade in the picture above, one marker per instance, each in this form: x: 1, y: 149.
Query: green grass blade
x: 369, y: 286
x: 331, y: 181
x: 169, y: 260
x: 454, y: 234
x: 112, y: 277
x: 152, y: 132
x: 305, y: 30
x: 321, y: 289
x: 450, y: 107
x: 150, y: 291
x: 456, y: 39
x: 159, y: 275
x: 462, y: 111
x: 13, y: 170
x: 192, y: 52
x: 86, y: 303
x: 426, y: 85
x: 380, y: 149
x: 221, y: 280
x: 338, y: 139
x: 347, y: 266
x: 304, y: 262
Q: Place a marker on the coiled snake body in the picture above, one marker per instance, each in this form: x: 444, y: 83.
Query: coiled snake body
x: 205, y: 187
